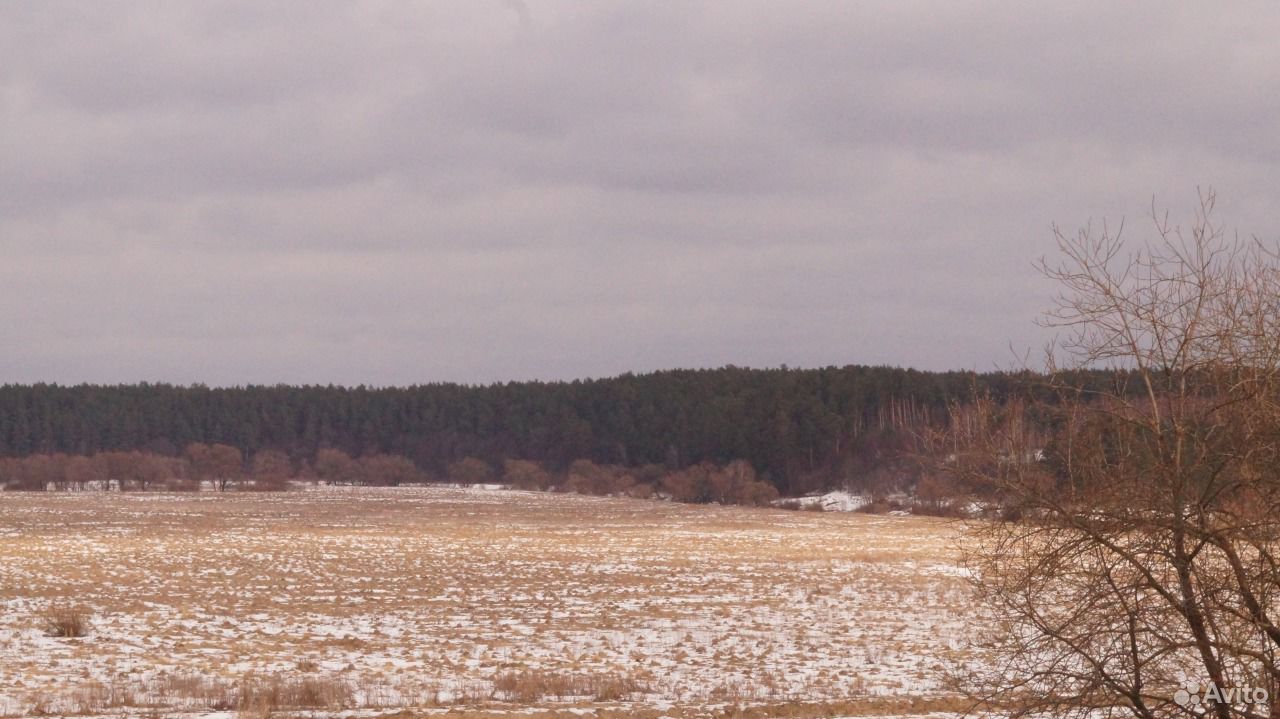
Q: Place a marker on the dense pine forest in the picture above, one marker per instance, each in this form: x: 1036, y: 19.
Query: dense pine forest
x: 800, y: 429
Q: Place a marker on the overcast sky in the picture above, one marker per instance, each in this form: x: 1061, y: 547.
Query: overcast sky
x: 482, y: 190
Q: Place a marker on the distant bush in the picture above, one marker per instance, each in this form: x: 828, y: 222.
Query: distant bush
x: 587, y: 477
x: 389, y: 470
x: 936, y: 496
x: 734, y: 483
x: 757, y: 494
x: 66, y: 621
x: 525, y: 474
x: 333, y: 466
x: 469, y: 471
x: 270, y: 471
x: 687, y: 485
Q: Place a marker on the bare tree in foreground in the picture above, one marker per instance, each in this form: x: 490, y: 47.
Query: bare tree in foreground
x: 1136, y: 571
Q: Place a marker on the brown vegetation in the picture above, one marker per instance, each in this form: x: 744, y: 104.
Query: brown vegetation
x: 1140, y: 551
x: 261, y: 695
x: 221, y: 467
x: 525, y: 474
x: 530, y: 686
x: 66, y: 621
x: 469, y: 471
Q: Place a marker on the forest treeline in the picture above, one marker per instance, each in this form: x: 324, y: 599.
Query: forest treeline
x: 799, y: 429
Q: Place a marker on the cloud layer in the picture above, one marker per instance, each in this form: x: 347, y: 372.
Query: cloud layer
x: 403, y: 192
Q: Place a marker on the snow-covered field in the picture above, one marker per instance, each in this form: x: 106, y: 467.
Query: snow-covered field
x: 435, y: 598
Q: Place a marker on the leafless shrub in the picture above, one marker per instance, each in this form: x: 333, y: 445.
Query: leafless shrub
x: 66, y: 621
x: 525, y: 474
x: 734, y: 483
x: 587, y: 477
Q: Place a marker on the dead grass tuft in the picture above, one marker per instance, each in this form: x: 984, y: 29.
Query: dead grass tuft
x: 261, y: 695
x: 529, y: 686
x: 66, y: 621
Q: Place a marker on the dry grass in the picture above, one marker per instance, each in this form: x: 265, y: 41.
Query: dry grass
x: 67, y: 622
x: 431, y: 597
x: 530, y: 686
x: 264, y: 695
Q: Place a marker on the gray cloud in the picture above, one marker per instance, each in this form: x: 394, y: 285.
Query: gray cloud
x: 391, y: 192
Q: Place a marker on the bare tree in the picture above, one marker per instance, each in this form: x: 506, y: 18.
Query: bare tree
x: 333, y: 466
x: 226, y: 465
x: 120, y: 468
x: 220, y: 464
x: 83, y: 472
x: 1136, y: 573
x: 271, y: 469
x: 152, y: 471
